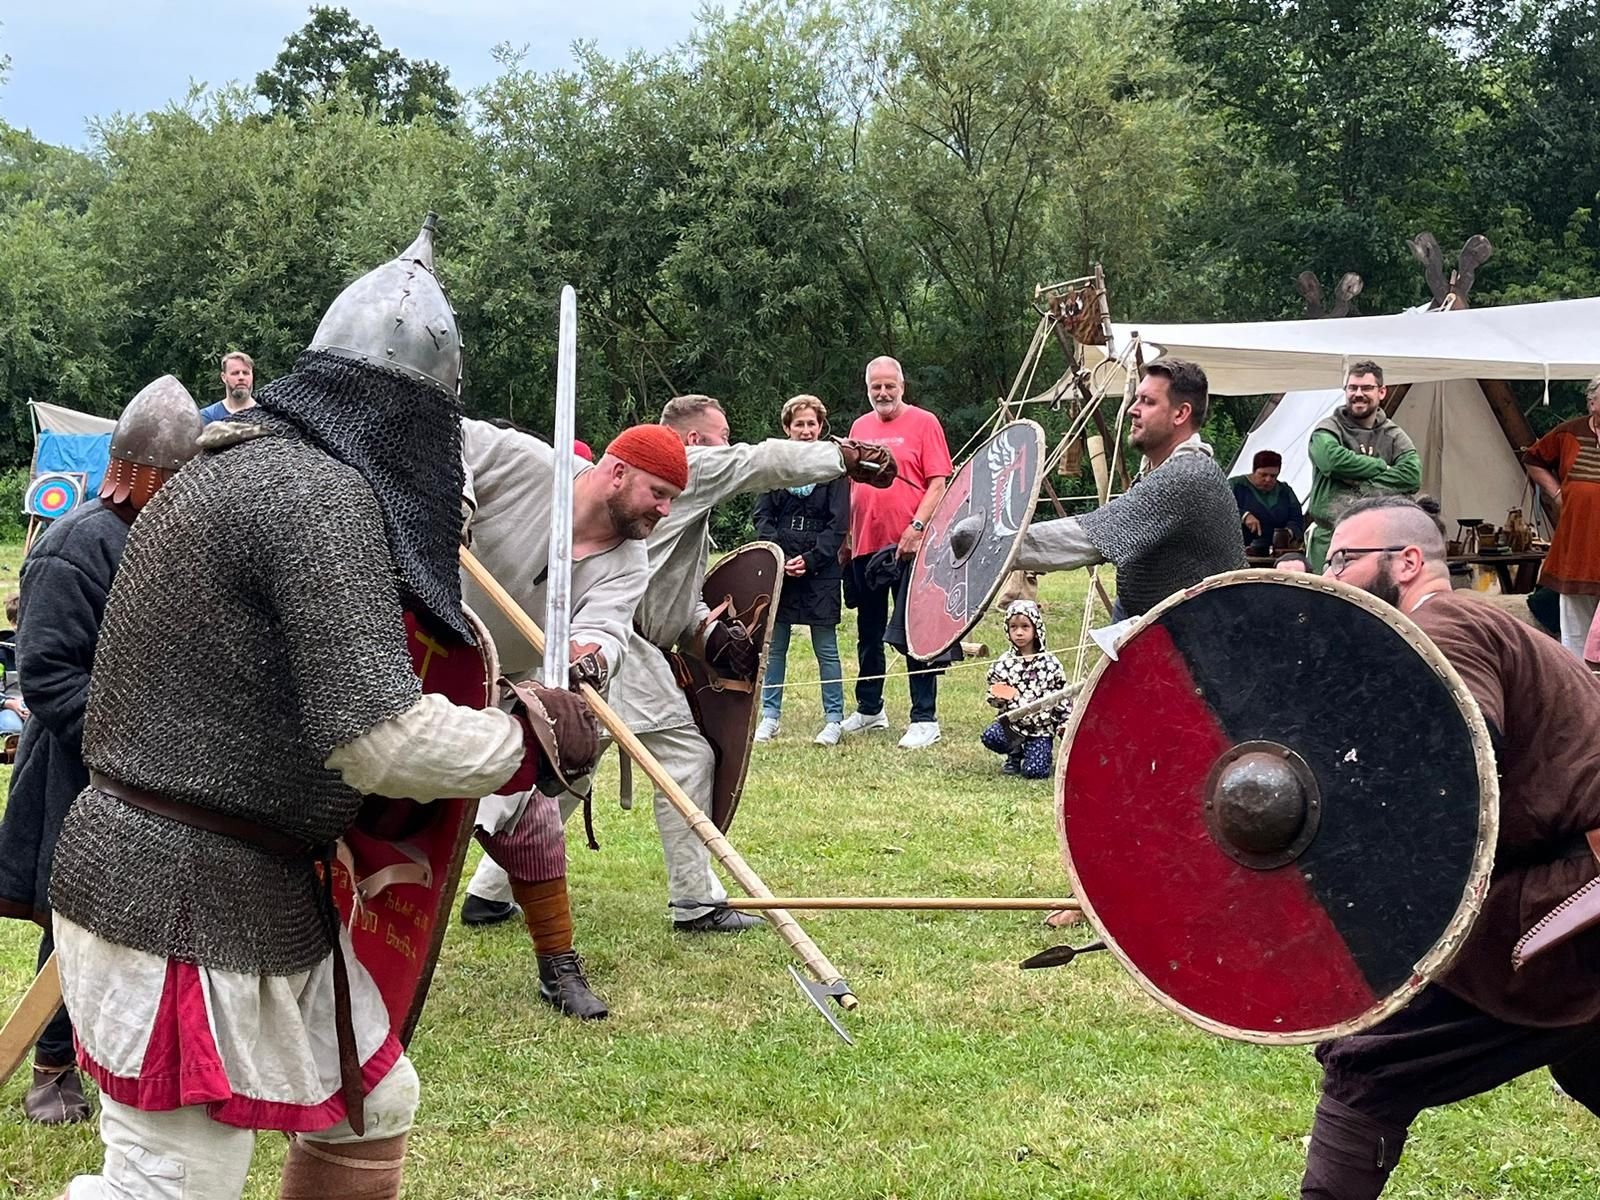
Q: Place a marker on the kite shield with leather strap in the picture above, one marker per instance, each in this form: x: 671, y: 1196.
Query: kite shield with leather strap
x: 406, y: 857
x: 992, y: 495
x: 744, y: 586
x: 1278, y: 805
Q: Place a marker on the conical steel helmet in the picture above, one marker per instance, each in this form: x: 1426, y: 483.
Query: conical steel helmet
x: 159, y: 426
x: 398, y: 316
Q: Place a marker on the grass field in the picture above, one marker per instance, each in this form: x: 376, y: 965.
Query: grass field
x: 970, y: 1078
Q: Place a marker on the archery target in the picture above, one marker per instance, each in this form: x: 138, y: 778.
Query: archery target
x: 54, y: 494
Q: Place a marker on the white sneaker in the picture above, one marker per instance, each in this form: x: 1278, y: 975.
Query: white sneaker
x: 767, y: 730
x: 920, y: 734
x: 830, y: 735
x: 858, y: 722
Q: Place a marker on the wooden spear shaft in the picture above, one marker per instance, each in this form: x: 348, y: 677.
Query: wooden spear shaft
x: 912, y: 903
x: 628, y: 741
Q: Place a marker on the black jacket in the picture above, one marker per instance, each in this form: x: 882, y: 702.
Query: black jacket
x: 64, y: 585
x: 813, y: 525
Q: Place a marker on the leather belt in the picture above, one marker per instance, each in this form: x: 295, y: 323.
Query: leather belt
x: 262, y: 837
x: 806, y: 524
x: 352, y: 1087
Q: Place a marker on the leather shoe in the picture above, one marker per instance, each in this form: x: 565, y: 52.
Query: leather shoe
x: 475, y: 910
x: 56, y: 1097
x: 562, y: 985
x: 718, y: 920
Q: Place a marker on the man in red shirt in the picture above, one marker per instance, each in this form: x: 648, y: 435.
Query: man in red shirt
x: 892, y: 520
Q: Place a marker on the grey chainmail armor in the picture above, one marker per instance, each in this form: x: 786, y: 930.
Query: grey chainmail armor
x: 404, y: 437
x: 255, y: 625
x: 1172, y: 528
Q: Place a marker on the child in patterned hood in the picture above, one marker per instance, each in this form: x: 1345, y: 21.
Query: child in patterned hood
x: 1023, y: 674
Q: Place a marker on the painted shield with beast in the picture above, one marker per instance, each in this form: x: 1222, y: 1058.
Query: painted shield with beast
x: 745, y: 586
x: 1278, y: 805
x: 992, y: 496
x: 406, y: 857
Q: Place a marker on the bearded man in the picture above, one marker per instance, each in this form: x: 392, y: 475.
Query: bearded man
x: 616, y: 503
x: 65, y: 581
x: 252, y: 684
x: 1175, y: 526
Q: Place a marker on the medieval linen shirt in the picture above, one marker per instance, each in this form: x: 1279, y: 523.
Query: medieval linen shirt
x: 644, y: 692
x: 1571, y: 453
x: 510, y: 488
x: 1543, y: 708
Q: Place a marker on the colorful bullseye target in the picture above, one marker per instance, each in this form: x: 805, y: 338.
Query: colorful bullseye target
x: 54, y: 494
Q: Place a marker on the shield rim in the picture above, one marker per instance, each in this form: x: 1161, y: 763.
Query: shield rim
x: 1444, y: 949
x: 1012, y: 551
x: 458, y: 854
x: 737, y: 792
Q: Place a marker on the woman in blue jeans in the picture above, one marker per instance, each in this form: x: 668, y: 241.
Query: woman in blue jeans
x: 810, y: 524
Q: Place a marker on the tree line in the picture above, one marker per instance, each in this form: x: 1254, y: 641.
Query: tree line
x: 801, y: 185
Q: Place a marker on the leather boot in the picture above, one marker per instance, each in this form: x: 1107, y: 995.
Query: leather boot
x: 343, y: 1170
x: 562, y: 985
x: 56, y: 1097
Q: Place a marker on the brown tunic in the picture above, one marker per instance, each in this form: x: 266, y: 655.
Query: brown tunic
x: 1543, y: 709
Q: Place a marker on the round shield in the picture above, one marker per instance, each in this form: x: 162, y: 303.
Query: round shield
x: 991, y: 499
x: 53, y: 494
x: 1278, y: 805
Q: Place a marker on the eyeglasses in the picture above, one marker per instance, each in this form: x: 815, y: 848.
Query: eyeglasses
x: 1358, y: 389
x: 1339, y: 561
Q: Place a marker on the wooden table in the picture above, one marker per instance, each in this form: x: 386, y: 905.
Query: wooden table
x: 1516, y: 582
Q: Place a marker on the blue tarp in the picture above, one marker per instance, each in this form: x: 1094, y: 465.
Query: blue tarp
x: 89, y: 453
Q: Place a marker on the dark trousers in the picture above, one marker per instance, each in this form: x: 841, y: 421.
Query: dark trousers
x: 54, y: 1048
x: 1436, y: 1050
x: 872, y: 619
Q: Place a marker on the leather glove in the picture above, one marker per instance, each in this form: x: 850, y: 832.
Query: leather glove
x: 588, y: 667
x: 868, y: 462
x: 730, y: 649
x: 562, y: 725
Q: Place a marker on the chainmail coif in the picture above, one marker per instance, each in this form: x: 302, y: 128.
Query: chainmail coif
x: 404, y: 437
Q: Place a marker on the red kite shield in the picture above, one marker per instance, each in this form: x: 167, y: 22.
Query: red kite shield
x: 407, y: 856
x: 1278, y: 805
x: 993, y: 493
x: 749, y: 582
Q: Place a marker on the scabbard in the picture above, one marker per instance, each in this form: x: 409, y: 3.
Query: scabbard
x: 1571, y: 917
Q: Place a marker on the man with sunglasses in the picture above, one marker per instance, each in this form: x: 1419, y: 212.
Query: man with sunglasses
x: 1483, y: 1022
x: 1356, y: 451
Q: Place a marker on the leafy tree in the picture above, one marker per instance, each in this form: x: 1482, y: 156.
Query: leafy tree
x: 333, y: 50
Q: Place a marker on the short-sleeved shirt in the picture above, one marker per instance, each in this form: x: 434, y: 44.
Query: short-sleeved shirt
x: 1571, y: 453
x: 215, y: 412
x: 878, y: 516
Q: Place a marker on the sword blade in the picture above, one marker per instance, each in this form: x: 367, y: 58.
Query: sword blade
x: 558, y: 582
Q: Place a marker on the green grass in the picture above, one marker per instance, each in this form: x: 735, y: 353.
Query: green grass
x: 970, y: 1078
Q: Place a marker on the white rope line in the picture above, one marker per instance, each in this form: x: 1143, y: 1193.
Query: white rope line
x: 955, y: 666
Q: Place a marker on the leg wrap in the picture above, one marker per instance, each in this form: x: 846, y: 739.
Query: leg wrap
x: 348, y: 1170
x: 548, y: 912
x: 1351, y: 1154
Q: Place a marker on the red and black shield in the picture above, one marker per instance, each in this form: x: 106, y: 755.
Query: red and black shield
x: 1278, y: 805
x: 407, y: 856
x: 992, y: 496
x: 746, y: 585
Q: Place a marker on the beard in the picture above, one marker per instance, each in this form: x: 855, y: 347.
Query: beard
x: 1383, y: 585
x: 239, y: 395
x: 633, y: 524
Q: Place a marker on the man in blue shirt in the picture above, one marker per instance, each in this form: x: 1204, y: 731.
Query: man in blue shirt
x: 238, y: 382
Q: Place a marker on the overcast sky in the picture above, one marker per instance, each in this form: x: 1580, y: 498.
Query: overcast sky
x: 76, y: 59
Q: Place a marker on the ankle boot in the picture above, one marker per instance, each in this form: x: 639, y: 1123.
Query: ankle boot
x: 562, y: 985
x: 346, y: 1170
x: 56, y: 1097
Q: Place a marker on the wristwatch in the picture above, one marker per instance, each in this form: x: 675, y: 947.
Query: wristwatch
x: 919, y: 526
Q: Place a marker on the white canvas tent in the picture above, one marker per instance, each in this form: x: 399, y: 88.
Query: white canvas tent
x: 1467, y: 460
x: 67, y: 420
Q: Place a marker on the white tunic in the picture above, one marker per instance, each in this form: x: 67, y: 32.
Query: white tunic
x: 644, y: 692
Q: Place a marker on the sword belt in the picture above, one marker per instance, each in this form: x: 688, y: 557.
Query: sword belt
x: 280, y: 845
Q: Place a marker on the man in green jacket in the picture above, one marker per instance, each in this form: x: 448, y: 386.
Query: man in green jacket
x: 1357, y: 451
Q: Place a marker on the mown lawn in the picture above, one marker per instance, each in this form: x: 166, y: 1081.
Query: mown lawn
x: 970, y: 1079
